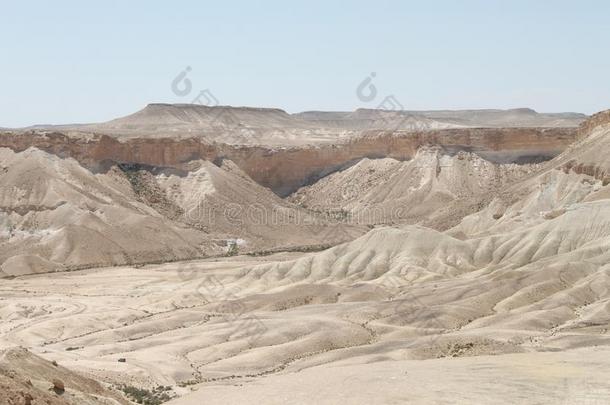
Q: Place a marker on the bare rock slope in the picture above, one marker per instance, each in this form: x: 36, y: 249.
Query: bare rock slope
x: 58, y: 215
x: 429, y: 188
x: 28, y: 379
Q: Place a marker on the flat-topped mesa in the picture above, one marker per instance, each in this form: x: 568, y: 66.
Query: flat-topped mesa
x: 437, y: 119
x: 191, y: 117
x: 211, y: 108
x: 275, y: 128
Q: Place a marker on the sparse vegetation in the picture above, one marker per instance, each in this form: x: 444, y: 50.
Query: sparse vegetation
x: 187, y: 383
x: 148, y: 190
x: 233, y: 250
x: 143, y: 396
x: 11, y: 230
x: 300, y: 249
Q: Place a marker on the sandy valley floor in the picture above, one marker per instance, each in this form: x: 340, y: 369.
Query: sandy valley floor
x: 203, y: 325
x: 491, y: 286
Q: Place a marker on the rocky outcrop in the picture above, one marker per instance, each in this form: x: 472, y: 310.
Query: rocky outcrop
x: 593, y: 170
x: 26, y: 378
x: 285, y: 169
x: 596, y: 120
x: 588, y: 155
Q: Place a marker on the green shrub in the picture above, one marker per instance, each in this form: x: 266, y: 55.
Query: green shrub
x: 146, y: 397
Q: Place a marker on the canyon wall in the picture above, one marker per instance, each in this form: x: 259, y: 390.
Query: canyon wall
x: 285, y: 169
x: 588, y: 155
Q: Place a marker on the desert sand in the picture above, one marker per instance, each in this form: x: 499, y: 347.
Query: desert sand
x: 479, y: 281
x: 573, y: 377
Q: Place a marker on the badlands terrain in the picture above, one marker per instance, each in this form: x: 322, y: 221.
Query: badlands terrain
x: 438, y: 257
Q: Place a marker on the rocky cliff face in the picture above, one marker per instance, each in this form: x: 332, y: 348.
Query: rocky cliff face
x: 285, y: 169
x: 588, y: 154
x: 601, y: 118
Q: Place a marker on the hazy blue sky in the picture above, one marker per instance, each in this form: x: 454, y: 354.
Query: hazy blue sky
x: 85, y: 61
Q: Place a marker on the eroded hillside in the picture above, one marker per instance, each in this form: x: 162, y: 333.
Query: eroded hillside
x: 79, y: 199
x: 504, y: 257
x: 285, y: 169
